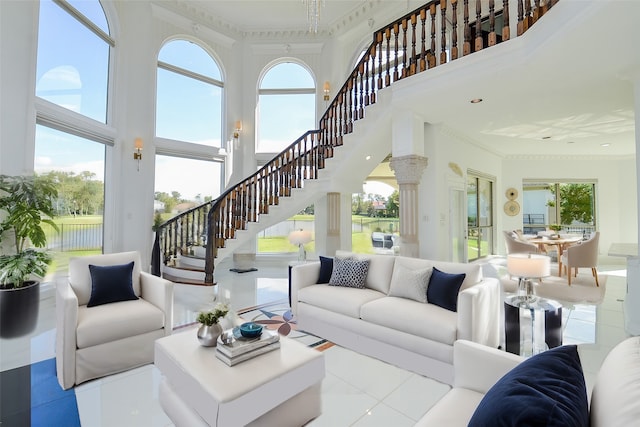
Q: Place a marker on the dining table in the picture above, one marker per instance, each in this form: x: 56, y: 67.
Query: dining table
x: 561, y: 243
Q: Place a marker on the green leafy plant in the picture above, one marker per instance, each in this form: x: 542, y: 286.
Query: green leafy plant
x: 25, y: 203
x: 555, y: 227
x: 212, y: 317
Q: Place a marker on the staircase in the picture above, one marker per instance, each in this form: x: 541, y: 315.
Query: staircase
x: 188, y: 246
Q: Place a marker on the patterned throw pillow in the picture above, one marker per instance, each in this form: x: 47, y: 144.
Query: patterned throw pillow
x: 349, y: 272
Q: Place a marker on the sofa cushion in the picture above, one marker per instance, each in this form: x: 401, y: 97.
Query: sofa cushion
x: 349, y: 272
x: 110, y: 322
x: 380, y: 269
x: 415, y: 318
x: 409, y: 283
x: 473, y: 271
x: 112, y: 283
x: 547, y: 389
x: 443, y: 289
x: 615, y: 396
x: 326, y: 268
x: 338, y: 299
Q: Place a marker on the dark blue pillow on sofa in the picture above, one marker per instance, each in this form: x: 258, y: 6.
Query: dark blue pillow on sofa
x: 443, y: 289
x: 326, y: 268
x: 111, y: 283
x: 547, y: 389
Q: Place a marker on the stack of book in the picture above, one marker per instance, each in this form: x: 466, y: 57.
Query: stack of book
x: 241, y: 348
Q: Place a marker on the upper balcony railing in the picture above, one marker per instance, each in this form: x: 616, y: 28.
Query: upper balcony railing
x: 434, y: 34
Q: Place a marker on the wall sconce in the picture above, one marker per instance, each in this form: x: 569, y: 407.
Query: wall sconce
x: 236, y: 132
x: 137, y: 155
x: 326, y: 88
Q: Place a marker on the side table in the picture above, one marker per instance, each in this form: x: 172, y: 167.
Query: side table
x: 545, y: 328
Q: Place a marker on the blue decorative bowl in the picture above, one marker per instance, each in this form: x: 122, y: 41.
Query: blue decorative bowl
x: 250, y: 330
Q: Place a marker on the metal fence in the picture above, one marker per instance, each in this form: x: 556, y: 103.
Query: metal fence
x: 74, y: 237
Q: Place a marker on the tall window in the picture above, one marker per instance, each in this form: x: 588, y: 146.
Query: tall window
x: 189, y: 98
x: 286, y: 104
x: 479, y: 216
x: 74, y: 47
x: 73, y: 56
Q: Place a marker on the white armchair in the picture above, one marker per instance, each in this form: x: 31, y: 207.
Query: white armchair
x: 517, y: 246
x: 583, y: 254
x: 104, y: 339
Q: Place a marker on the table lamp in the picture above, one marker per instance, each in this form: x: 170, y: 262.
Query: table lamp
x: 300, y: 238
x: 527, y: 267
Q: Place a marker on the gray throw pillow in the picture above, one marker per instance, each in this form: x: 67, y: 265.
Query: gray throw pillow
x: 349, y: 272
x: 409, y: 283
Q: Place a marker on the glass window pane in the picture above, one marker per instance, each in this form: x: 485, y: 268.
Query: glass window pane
x: 78, y: 166
x: 188, y: 109
x: 283, y: 119
x: 175, y: 186
x: 93, y: 11
x: 73, y: 64
x: 287, y: 75
x: 189, y: 56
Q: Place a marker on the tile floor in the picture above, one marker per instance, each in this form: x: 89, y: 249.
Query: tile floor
x: 357, y: 390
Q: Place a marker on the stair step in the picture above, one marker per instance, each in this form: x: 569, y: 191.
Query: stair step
x: 186, y: 281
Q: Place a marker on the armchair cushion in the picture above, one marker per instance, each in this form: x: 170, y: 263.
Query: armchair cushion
x: 443, y: 289
x: 547, y: 390
x: 111, y: 322
x: 111, y: 283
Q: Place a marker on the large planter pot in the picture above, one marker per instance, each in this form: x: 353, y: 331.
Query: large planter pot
x: 208, y: 335
x: 19, y: 310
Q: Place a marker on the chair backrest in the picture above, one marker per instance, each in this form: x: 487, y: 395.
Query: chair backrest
x: 80, y: 277
x: 515, y: 246
x: 584, y: 254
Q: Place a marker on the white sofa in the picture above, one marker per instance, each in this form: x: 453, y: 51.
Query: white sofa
x: 614, y: 399
x: 413, y: 335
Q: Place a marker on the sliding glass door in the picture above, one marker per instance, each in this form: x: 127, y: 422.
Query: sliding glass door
x: 479, y: 216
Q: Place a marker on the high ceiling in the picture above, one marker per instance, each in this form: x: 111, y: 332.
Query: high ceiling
x: 567, y: 96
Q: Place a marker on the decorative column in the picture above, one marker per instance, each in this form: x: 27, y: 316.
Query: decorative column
x: 333, y: 222
x: 408, y: 171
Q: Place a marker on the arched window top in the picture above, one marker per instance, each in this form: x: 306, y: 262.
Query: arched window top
x: 287, y: 75
x: 190, y: 56
x: 93, y: 11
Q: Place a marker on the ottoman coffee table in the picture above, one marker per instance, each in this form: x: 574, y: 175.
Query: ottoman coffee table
x: 278, y: 388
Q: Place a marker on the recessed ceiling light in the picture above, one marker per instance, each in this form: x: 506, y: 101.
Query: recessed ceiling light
x: 606, y: 144
x: 368, y: 158
x: 570, y: 142
x: 476, y: 100
x: 546, y: 137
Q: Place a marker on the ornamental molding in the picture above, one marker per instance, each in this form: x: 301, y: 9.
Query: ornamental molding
x: 408, y: 169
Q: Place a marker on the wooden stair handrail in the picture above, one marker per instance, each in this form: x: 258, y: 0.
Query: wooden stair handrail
x: 401, y: 49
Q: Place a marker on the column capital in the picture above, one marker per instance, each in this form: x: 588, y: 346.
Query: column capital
x: 408, y: 169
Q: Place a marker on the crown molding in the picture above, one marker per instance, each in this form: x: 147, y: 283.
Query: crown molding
x: 289, y: 48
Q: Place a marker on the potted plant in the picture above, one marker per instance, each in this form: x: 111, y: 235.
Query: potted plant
x: 26, y: 202
x: 555, y: 228
x: 210, y: 328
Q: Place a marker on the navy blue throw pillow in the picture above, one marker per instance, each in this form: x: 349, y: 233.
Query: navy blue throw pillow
x: 326, y: 268
x: 547, y: 389
x: 443, y: 289
x: 111, y: 283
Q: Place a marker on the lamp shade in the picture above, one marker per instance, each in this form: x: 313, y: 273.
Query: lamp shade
x: 299, y: 237
x: 528, y: 265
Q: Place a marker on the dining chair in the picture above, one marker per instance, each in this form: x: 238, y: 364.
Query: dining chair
x: 517, y: 246
x: 582, y: 255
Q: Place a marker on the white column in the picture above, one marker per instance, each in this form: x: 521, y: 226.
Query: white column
x: 408, y: 170
x: 333, y: 222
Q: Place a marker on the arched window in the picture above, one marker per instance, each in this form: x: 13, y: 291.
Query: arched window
x: 72, y: 72
x: 73, y: 56
x: 189, y: 95
x: 286, y: 105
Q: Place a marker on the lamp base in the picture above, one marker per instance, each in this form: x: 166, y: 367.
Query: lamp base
x: 302, y: 253
x: 525, y: 290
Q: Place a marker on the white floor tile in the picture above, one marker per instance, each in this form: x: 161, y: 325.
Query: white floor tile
x: 382, y: 415
x: 415, y: 396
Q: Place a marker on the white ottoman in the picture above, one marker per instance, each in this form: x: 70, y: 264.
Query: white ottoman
x: 279, y: 388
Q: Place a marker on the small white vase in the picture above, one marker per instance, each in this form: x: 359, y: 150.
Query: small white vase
x: 208, y: 335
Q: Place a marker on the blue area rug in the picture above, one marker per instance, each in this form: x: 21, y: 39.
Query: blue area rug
x: 50, y: 404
